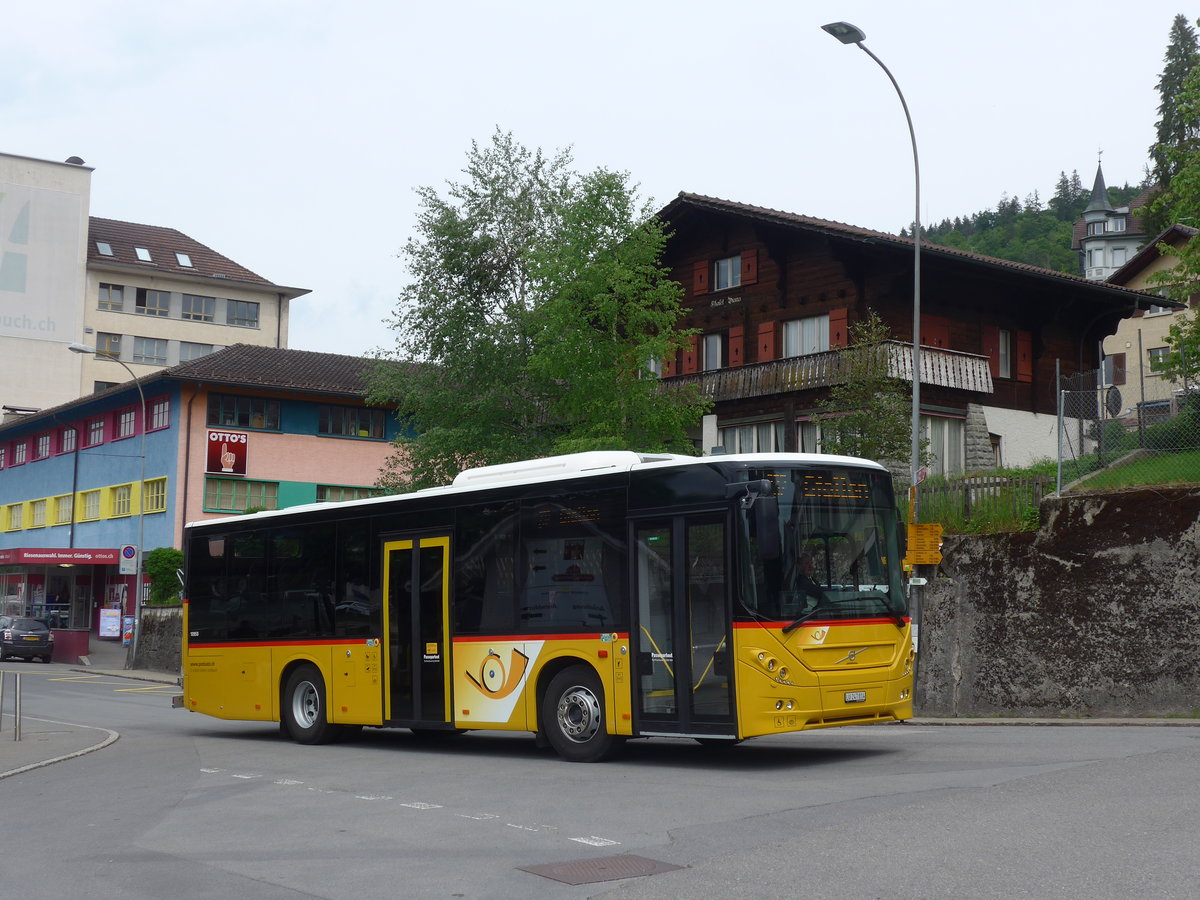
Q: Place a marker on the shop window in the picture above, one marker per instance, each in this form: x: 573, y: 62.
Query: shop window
x: 229, y: 495
x: 120, y: 500
x: 64, y: 507
x: 155, y: 495
x: 243, y: 412
x: 90, y: 506
x: 350, y: 421
x: 160, y: 414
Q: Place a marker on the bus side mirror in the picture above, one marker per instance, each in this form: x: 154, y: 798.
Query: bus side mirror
x: 766, y: 526
x: 759, y: 496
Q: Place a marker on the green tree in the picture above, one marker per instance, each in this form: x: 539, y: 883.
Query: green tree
x: 1182, y: 281
x: 161, y: 566
x: 1181, y: 363
x: 536, y: 305
x: 1176, y: 130
x: 869, y: 412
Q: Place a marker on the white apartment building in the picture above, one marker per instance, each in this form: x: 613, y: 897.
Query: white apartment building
x: 149, y: 296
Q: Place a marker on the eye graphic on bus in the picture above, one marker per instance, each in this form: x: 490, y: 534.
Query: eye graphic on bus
x: 496, y: 682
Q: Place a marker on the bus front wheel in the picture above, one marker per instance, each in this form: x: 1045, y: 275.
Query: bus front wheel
x: 573, y: 717
x: 303, y: 707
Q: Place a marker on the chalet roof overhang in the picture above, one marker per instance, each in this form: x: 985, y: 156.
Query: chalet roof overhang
x: 1101, y: 296
x: 1175, y: 235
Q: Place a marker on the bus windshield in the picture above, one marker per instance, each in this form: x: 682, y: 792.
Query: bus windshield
x: 825, y: 546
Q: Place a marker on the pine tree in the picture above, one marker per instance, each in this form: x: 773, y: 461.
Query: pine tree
x: 1172, y: 128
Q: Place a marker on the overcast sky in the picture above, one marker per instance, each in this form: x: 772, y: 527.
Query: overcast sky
x: 289, y: 136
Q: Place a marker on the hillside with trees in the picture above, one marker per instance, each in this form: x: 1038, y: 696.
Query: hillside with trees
x: 1034, y: 232
x: 1039, y: 233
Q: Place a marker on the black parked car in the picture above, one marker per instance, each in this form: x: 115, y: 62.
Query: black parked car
x: 29, y: 638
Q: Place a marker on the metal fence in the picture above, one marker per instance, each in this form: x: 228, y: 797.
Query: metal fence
x: 984, y: 503
x: 1126, y: 424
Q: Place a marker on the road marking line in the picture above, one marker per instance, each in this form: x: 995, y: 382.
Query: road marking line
x: 419, y: 805
x: 594, y: 841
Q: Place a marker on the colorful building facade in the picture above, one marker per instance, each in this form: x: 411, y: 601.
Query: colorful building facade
x: 244, y: 428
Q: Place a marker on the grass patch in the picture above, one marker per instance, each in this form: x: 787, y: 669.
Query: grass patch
x: 1007, y: 500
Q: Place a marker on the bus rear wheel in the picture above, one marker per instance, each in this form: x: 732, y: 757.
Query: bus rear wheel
x: 573, y: 718
x: 303, y: 707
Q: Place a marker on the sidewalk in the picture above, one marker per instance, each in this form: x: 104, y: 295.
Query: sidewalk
x: 44, y: 741
x: 108, y: 657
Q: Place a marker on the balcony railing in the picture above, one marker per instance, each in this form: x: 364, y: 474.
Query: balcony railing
x: 941, y: 368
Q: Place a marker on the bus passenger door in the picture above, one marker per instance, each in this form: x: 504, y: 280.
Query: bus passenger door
x: 681, y: 639
x: 416, y: 603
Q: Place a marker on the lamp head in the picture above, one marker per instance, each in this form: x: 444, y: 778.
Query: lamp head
x: 80, y: 348
x: 845, y: 32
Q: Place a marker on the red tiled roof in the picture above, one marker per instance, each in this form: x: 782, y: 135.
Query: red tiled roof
x: 246, y: 366
x: 163, y: 244
x: 866, y: 235
x: 269, y: 367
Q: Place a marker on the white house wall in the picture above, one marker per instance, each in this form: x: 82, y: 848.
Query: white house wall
x: 43, y: 235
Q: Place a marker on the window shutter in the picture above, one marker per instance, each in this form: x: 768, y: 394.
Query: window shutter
x: 839, y: 327
x: 700, y: 277
x: 691, y: 355
x: 1118, y: 368
x: 1024, y: 356
x: 668, y: 367
x: 737, y: 345
x: 991, y: 348
x: 766, y: 341
x: 749, y: 267
x: 935, y: 332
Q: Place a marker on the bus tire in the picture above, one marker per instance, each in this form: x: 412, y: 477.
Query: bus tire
x: 303, y: 707
x: 573, y: 717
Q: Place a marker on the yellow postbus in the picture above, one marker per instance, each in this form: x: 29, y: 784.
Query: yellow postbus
x: 587, y: 598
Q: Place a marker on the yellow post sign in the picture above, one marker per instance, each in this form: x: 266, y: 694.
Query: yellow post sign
x: 924, y: 544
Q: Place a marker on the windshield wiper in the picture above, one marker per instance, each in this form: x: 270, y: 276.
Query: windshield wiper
x: 796, y: 623
x: 829, y: 604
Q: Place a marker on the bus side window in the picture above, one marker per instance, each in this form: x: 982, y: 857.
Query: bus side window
x: 572, y: 552
x: 357, y: 604
x: 483, y: 598
x: 207, y: 582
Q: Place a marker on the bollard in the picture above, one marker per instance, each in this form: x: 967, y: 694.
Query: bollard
x: 17, y: 708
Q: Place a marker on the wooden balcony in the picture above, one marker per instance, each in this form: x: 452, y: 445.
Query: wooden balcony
x: 941, y: 368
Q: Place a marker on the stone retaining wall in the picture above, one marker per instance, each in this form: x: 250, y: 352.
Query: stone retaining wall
x: 1096, y: 614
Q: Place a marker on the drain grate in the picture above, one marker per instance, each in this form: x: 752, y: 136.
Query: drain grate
x: 604, y: 868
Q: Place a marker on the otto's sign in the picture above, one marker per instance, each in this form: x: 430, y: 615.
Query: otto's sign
x: 227, y: 452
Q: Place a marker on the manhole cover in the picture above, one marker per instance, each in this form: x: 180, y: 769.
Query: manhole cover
x: 605, y: 868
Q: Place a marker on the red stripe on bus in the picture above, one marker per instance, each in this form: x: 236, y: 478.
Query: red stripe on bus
x: 331, y: 642
x: 824, y: 623
x: 483, y: 638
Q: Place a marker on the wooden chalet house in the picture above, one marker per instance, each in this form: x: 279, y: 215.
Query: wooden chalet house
x: 773, y: 295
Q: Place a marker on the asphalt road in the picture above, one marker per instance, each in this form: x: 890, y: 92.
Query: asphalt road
x: 186, y: 806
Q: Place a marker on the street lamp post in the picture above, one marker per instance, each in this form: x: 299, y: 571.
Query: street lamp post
x: 141, y: 540
x: 850, y: 34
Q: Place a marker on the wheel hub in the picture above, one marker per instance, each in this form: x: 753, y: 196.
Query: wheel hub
x: 579, y: 714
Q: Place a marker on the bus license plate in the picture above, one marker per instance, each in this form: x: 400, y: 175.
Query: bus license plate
x: 855, y: 696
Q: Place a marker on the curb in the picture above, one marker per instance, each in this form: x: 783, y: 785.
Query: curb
x: 110, y: 738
